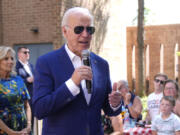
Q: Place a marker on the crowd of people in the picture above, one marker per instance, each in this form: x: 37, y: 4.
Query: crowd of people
x: 162, y: 109
x: 56, y: 90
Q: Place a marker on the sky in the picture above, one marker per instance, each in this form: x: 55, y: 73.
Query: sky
x: 164, y: 11
x: 161, y: 11
x: 121, y: 15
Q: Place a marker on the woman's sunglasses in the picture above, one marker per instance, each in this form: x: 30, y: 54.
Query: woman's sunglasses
x: 79, y: 29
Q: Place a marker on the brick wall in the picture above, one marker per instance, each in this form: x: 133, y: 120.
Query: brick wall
x: 155, y: 36
x: 20, y: 17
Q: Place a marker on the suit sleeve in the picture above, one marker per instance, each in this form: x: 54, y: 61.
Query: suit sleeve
x: 47, y: 100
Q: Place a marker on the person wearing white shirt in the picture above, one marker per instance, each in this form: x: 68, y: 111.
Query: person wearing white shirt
x: 153, y: 101
x: 60, y: 93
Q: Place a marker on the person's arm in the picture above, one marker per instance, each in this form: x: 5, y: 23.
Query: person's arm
x: 177, y: 133
x: 136, y: 108
x: 148, y: 118
x: 7, y: 130
x: 177, y: 106
x: 30, y: 79
x: 4, y: 127
x: 154, y: 132
x: 28, y: 114
x: 120, y: 123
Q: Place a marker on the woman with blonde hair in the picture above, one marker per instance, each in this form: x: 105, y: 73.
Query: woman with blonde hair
x: 15, y: 112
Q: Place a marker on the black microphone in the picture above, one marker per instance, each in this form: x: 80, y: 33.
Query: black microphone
x: 86, y: 61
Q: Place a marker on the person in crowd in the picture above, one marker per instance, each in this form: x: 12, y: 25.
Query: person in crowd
x: 15, y: 112
x: 153, y: 101
x: 107, y: 124
x: 166, y: 123
x: 131, y: 106
x: 171, y: 88
x: 177, y: 106
x: 130, y: 101
x: 60, y: 93
x: 25, y: 69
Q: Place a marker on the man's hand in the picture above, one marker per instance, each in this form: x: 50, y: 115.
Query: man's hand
x: 30, y: 79
x: 81, y: 73
x: 115, y: 97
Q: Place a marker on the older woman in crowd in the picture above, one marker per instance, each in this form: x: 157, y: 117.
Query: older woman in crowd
x: 15, y: 112
x: 171, y: 88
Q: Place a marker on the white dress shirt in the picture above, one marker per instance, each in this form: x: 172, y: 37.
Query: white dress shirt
x: 27, y: 68
x: 74, y: 89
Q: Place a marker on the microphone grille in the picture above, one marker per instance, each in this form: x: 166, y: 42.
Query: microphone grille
x: 85, y: 53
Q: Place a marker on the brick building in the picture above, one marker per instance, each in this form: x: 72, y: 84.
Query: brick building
x: 37, y: 23
x: 160, y: 46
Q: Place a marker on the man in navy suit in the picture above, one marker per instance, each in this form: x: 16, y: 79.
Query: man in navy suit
x: 26, y: 71
x: 60, y: 94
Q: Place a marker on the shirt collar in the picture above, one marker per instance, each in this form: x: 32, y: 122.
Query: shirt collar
x: 23, y: 63
x: 169, y: 118
x: 70, y: 53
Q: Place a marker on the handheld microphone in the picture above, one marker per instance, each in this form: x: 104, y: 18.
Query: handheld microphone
x: 86, y: 61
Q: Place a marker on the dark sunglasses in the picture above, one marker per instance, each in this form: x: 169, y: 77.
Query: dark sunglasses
x: 79, y: 29
x: 26, y: 52
x: 161, y: 82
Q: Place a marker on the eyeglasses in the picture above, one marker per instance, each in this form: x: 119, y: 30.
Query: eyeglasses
x: 161, y: 82
x: 79, y: 29
x: 26, y: 52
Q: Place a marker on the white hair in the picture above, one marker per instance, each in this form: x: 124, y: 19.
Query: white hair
x: 73, y: 10
x: 125, y: 83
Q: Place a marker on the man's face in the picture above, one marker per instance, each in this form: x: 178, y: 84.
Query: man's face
x: 81, y: 41
x: 23, y: 55
x: 159, y: 83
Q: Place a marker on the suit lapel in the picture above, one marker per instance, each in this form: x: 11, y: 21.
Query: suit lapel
x: 31, y: 68
x: 22, y: 70
x: 67, y: 68
x: 63, y: 59
x: 93, y: 67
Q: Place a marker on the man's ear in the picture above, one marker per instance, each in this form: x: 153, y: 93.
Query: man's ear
x: 64, y: 30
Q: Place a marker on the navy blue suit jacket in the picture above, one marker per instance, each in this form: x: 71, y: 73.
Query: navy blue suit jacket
x: 63, y: 113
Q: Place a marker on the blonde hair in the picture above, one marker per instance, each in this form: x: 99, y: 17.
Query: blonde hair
x: 4, y: 50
